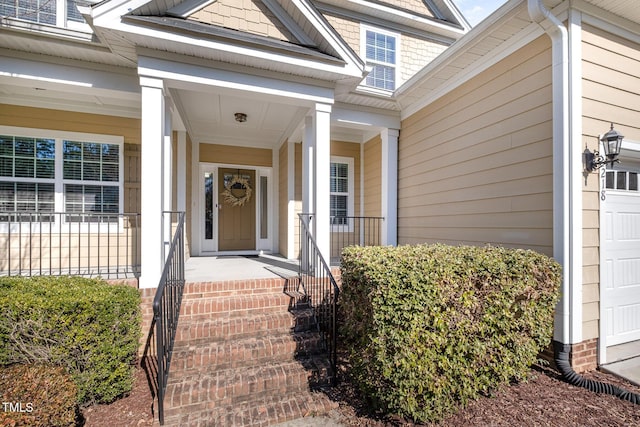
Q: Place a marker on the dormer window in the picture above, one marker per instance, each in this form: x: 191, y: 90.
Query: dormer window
x: 380, y: 49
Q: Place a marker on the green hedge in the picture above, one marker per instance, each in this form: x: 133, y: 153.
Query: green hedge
x: 87, y: 326
x: 427, y: 328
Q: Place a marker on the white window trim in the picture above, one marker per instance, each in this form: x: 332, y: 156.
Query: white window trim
x: 363, y: 54
x: 59, y: 181
x: 62, y: 22
x: 351, y: 191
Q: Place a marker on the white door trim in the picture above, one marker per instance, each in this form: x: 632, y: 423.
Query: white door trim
x: 262, y: 245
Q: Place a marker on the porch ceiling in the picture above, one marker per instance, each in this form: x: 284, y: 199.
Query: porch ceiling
x: 210, y: 118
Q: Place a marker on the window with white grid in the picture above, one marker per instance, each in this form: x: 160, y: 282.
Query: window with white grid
x: 381, y: 53
x: 62, y: 13
x: 45, y: 173
x: 341, y: 188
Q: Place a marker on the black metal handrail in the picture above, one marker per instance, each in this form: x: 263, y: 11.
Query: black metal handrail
x: 320, y: 287
x: 166, y: 310
x: 354, y: 230
x: 70, y: 243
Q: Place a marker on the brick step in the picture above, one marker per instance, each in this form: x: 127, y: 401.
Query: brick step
x: 219, y: 355
x: 266, y: 411
x: 207, y: 390
x: 238, y: 287
x: 236, y: 305
x: 254, y: 324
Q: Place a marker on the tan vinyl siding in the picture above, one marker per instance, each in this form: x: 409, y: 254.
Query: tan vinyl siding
x: 232, y: 155
x: 283, y: 203
x: 418, y: 7
x: 373, y: 177
x: 132, y: 177
x: 475, y: 167
x: 41, y: 118
x: 611, y: 93
x: 244, y: 15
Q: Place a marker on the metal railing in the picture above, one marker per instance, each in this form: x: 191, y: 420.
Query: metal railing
x: 320, y: 288
x: 354, y: 230
x: 158, y: 351
x: 70, y: 243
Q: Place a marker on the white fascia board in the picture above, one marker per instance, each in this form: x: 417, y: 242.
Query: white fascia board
x: 114, y: 9
x: 289, y: 22
x: 99, y: 82
x: 358, y: 117
x: 190, y: 74
x: 446, y: 32
x: 608, y: 22
x: 473, y: 37
x: 295, y: 62
x: 188, y: 7
x: 326, y: 30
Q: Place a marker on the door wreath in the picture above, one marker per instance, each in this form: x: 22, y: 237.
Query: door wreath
x: 237, y: 182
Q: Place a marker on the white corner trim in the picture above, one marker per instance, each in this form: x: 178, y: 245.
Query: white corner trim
x: 575, y: 174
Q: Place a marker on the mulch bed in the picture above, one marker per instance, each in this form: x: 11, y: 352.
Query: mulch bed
x: 545, y: 400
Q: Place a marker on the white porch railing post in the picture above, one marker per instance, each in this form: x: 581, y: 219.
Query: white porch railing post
x: 322, y: 131
x: 389, y: 199
x: 151, y: 195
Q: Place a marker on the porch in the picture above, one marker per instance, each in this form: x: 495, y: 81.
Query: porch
x: 238, y: 267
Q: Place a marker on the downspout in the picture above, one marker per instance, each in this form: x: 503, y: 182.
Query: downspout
x: 561, y: 167
x: 562, y: 240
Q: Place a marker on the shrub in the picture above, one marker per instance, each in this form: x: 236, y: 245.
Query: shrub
x: 427, y: 328
x: 37, y: 396
x: 87, y: 326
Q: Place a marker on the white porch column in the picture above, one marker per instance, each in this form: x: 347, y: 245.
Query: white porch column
x: 308, y: 164
x: 322, y: 132
x: 151, y: 194
x: 167, y: 184
x: 389, y: 199
x: 182, y: 171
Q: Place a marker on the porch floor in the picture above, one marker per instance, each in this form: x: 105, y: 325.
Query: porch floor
x: 238, y: 267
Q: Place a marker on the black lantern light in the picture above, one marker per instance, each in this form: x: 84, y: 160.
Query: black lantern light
x: 611, y: 142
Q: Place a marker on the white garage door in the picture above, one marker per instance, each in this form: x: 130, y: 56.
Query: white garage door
x: 621, y: 280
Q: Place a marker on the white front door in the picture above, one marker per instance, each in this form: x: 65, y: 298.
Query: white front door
x: 621, y: 270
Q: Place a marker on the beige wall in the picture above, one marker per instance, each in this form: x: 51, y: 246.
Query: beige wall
x: 611, y: 93
x: 232, y: 155
x: 243, y: 15
x: 475, y: 167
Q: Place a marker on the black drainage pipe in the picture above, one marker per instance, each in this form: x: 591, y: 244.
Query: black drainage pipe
x: 561, y: 357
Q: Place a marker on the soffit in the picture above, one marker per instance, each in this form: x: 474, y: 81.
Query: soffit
x: 478, y: 48
x: 67, y: 44
x: 627, y: 9
x: 505, y: 29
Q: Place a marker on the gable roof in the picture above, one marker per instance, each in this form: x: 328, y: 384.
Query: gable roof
x: 317, y: 51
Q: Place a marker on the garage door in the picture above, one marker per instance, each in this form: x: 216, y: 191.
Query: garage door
x: 621, y: 284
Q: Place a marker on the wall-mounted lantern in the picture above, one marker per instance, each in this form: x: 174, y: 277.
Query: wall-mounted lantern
x: 611, y: 142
